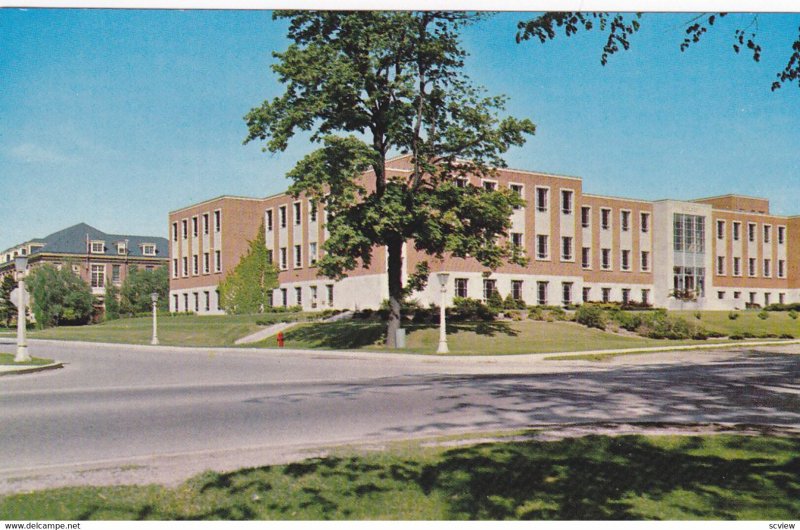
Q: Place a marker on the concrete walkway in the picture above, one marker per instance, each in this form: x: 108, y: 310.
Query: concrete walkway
x: 272, y: 330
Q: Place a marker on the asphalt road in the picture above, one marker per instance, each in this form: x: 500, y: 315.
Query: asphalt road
x: 119, y: 414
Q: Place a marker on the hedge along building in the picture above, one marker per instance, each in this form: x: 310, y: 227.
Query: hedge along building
x: 714, y: 253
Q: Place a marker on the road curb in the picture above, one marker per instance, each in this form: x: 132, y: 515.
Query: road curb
x: 18, y: 370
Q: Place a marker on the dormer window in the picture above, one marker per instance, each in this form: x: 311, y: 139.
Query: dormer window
x: 148, y: 249
x: 97, y: 247
x: 122, y: 249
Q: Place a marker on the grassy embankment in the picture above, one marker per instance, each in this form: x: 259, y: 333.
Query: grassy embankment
x: 725, y: 477
x: 8, y: 359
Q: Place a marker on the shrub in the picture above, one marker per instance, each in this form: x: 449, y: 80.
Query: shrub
x: 786, y: 336
x: 733, y: 315
x: 556, y: 313
x: 763, y: 315
x: 495, y: 302
x: 659, y: 325
x: 793, y: 314
x: 536, y: 313
x: 510, y: 303
x: 698, y: 315
x: 591, y: 316
x: 470, y: 309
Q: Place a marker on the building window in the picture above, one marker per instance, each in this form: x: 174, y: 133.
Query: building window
x: 586, y: 216
x: 689, y: 279
x: 147, y: 249
x: 751, y: 232
x: 461, y: 182
x: 461, y: 287
x: 206, y: 263
x: 646, y: 296
x: 516, y: 239
x: 605, y: 218
x: 208, y: 300
x: 626, y: 260
x: 720, y: 229
x: 185, y: 228
x: 541, y: 247
x: 96, y: 247
x: 625, y: 220
x: 645, y: 221
x: 541, y: 199
x: 767, y: 233
x: 185, y: 266
x: 566, y: 293
x: 175, y: 268
x: 115, y: 273
x: 122, y: 249
x: 312, y: 213
x: 312, y: 252
x: 781, y: 298
x: 270, y: 257
x: 489, y: 185
x: 626, y: 296
x: 766, y: 298
x: 195, y: 265
x: 186, y: 302
x: 541, y: 293
x: 737, y: 228
x: 566, y: 202
x: 217, y: 220
x: 205, y: 226
x: 737, y: 266
x: 194, y: 226
x: 586, y: 257
x: 781, y: 235
x: 330, y: 294
x: 586, y: 293
x: 720, y: 265
x: 781, y: 268
x: 298, y: 295
x: 282, y: 216
x: 269, y: 220
x: 489, y: 287
x: 175, y: 233
x: 605, y: 258
x: 284, y: 297
x: 516, y: 289
x: 298, y: 257
x: 606, y: 294
x: 313, y: 296
x: 752, y: 297
x: 767, y: 268
x: 737, y: 294
x: 645, y: 260
x: 98, y: 275
x: 282, y: 261
x: 196, y: 302
x: 751, y: 267
x: 297, y: 213
x: 517, y: 188
x: 689, y: 233
x: 566, y: 249
x: 720, y: 295
x: 217, y: 261
x: 175, y: 302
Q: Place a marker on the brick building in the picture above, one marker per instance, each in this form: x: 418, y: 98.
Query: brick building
x: 97, y: 257
x: 712, y: 253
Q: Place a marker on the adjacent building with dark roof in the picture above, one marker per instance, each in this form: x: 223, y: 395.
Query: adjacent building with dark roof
x: 95, y: 256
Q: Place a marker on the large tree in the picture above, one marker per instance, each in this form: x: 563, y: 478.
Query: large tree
x: 620, y: 27
x: 247, y: 288
x: 58, y: 296
x: 139, y: 284
x: 371, y: 84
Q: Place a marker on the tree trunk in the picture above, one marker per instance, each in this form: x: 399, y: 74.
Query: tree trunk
x: 395, y: 273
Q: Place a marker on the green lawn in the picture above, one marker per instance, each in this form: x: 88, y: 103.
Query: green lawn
x: 182, y: 330
x: 722, y: 477
x: 8, y: 359
x: 777, y: 323
x: 468, y: 338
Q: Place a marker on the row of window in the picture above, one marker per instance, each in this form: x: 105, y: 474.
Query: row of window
x: 99, y: 247
x: 737, y: 295
x: 196, y: 302
x: 283, y: 296
x: 196, y: 226
x: 543, y: 253
x: 624, y: 219
x: 542, y: 290
x: 283, y: 263
x: 97, y: 277
x: 184, y: 271
x: 752, y: 229
x: 752, y: 271
x: 297, y: 215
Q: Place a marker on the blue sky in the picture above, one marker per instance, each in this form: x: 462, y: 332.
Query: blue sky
x: 116, y: 117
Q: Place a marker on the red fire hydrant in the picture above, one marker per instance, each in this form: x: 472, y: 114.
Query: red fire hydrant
x: 280, y: 339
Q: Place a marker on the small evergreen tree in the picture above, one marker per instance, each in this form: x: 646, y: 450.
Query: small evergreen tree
x: 59, y: 297
x: 7, y: 309
x: 112, y: 301
x: 247, y: 288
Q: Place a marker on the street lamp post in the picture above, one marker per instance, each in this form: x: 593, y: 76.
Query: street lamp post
x: 21, y: 267
x: 443, y: 277
x: 154, y: 298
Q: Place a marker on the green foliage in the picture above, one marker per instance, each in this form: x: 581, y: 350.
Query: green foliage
x: 698, y: 315
x: 367, y: 83
x: 495, y: 302
x: 783, y: 307
x: 510, y: 303
x: 792, y: 314
x: 469, y: 309
x: 59, y: 296
x: 733, y: 315
x: 659, y: 325
x: 135, y: 295
x: 112, y: 301
x: 591, y: 315
x: 247, y: 288
x: 763, y: 314
x: 7, y: 309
